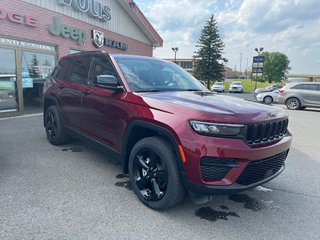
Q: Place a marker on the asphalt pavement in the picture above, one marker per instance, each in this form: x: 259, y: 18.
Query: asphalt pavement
x: 76, y: 192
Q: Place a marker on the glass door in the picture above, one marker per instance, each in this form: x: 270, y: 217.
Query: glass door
x: 8, y: 81
x: 35, y: 68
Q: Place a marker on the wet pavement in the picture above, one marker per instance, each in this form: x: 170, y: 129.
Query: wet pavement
x: 76, y: 192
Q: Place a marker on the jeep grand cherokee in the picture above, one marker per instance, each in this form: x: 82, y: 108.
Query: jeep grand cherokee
x: 171, y: 133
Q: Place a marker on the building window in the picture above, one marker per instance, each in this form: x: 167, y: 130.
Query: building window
x: 8, y: 81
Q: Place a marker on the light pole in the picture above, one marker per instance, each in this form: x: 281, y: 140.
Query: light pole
x: 259, y: 51
x: 175, y: 49
x: 240, y: 65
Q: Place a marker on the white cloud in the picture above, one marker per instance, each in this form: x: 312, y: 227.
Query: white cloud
x: 286, y: 26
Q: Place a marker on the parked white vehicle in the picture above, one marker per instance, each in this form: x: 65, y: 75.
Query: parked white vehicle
x: 218, y: 87
x: 236, y: 86
x: 268, y: 97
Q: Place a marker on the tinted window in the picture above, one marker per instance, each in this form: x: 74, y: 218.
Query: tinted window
x: 99, y: 66
x: 312, y: 87
x: 299, y: 86
x: 60, y: 69
x: 79, y: 70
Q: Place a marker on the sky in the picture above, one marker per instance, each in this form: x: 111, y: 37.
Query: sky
x: 291, y: 27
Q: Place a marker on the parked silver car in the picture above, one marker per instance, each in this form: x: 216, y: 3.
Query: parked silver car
x: 267, y: 97
x: 300, y: 95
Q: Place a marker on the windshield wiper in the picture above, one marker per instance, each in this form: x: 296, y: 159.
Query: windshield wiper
x: 148, y: 90
x: 191, y: 90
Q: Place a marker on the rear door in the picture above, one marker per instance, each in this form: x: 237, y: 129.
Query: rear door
x: 71, y: 92
x: 310, y: 94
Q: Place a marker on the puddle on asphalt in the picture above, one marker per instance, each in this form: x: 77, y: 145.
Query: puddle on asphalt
x: 248, y: 202
x: 122, y: 176
x: 125, y: 184
x: 212, y: 215
x: 224, y: 207
x: 73, y: 149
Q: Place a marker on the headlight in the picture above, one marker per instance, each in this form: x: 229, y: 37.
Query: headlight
x: 216, y: 129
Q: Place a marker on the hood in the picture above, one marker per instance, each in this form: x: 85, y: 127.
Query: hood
x: 211, y: 105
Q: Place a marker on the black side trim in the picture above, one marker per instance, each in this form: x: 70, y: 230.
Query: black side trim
x: 92, y: 142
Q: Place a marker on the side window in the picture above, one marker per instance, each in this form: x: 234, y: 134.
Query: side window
x: 99, y: 66
x: 79, y: 70
x: 312, y: 87
x: 299, y: 86
x: 60, y: 69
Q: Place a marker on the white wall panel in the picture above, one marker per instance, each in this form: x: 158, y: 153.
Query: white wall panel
x: 120, y: 23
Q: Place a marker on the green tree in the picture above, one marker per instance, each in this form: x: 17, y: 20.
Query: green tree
x: 208, y: 57
x: 275, y: 66
x: 34, y: 70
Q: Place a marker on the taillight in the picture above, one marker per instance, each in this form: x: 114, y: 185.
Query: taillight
x: 281, y: 91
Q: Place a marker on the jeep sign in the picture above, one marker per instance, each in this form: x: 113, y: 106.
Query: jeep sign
x: 59, y: 29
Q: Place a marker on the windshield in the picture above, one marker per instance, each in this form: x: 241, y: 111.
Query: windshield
x: 236, y: 83
x: 218, y: 83
x: 148, y: 74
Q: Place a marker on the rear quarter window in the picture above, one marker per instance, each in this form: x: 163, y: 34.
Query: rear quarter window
x: 310, y: 87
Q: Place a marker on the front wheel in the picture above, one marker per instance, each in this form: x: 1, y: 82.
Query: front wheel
x: 154, y: 175
x: 268, y: 99
x: 293, y: 103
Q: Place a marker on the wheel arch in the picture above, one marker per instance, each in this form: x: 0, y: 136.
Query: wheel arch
x: 138, y: 130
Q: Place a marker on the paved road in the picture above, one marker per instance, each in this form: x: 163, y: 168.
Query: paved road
x: 76, y: 192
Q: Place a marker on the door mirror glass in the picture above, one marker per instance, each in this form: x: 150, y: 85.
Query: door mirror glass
x: 107, y: 80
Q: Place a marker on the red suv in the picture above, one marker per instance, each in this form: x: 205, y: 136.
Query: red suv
x: 171, y: 133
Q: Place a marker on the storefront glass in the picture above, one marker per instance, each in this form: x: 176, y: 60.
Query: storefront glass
x: 35, y: 68
x: 8, y: 81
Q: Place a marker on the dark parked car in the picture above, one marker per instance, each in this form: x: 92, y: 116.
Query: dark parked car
x: 171, y: 133
x: 300, y: 95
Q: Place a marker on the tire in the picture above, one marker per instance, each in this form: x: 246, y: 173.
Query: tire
x: 293, y: 103
x: 154, y: 175
x: 268, y: 99
x: 54, y: 127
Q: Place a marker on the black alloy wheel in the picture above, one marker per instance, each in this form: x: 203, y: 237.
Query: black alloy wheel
x: 154, y: 175
x: 54, y: 127
x: 150, y: 175
x: 51, y: 126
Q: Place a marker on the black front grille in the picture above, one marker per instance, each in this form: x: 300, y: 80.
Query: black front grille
x: 259, y: 170
x: 214, y: 168
x: 266, y: 132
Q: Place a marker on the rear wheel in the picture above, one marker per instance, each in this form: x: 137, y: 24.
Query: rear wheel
x: 154, y: 175
x: 293, y: 103
x: 54, y: 127
x: 268, y: 99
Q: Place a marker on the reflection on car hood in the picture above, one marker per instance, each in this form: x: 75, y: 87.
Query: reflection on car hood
x: 212, y: 103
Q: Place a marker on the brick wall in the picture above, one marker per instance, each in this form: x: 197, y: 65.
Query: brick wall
x: 41, y: 35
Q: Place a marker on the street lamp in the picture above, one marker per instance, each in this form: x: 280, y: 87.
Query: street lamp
x: 259, y: 51
x: 175, y: 49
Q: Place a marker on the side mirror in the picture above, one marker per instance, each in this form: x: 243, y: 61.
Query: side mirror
x: 109, y: 82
